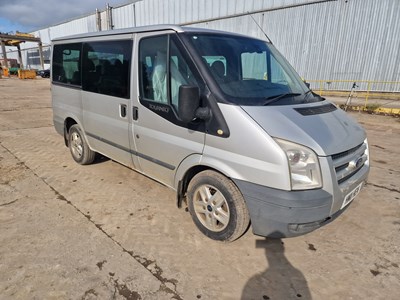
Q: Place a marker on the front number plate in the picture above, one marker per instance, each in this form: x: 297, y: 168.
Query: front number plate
x: 350, y: 196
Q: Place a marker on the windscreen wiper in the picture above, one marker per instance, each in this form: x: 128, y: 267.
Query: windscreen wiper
x: 275, y: 98
x: 306, y: 94
x: 310, y: 92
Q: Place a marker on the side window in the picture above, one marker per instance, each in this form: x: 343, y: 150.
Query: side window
x: 156, y: 61
x: 153, y: 68
x: 180, y: 72
x: 67, y: 64
x: 106, y: 68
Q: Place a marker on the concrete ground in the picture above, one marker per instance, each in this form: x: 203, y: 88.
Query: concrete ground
x: 105, y: 232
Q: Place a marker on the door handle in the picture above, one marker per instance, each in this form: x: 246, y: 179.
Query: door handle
x: 135, y: 113
x: 122, y: 110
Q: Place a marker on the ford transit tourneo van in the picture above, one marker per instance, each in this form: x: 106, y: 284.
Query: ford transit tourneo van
x: 221, y: 118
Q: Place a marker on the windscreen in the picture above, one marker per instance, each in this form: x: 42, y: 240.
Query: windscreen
x: 250, y: 71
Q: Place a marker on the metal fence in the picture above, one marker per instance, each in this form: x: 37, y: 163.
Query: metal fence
x: 363, y: 89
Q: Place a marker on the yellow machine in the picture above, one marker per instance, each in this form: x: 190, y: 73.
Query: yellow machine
x: 15, y: 41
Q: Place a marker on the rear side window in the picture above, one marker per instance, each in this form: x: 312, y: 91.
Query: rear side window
x: 106, y: 68
x: 67, y: 64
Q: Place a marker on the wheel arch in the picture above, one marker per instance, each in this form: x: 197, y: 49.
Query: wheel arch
x: 195, y: 164
x: 68, y: 122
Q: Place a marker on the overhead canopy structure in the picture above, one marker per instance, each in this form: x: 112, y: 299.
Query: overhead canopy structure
x: 15, y: 41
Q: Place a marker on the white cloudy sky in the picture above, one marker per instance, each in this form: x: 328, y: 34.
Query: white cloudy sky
x: 29, y: 15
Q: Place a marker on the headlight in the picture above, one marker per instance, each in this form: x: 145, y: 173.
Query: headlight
x: 305, y: 172
x: 366, y: 152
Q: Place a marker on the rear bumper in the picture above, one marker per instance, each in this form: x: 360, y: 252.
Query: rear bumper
x: 279, y: 213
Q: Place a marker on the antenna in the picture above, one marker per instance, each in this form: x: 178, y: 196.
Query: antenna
x: 258, y: 25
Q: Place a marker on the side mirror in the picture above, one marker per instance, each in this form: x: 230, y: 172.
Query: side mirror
x: 307, y: 84
x: 189, y: 102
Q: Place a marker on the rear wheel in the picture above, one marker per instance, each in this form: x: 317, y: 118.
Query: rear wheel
x: 217, y: 207
x: 80, y: 150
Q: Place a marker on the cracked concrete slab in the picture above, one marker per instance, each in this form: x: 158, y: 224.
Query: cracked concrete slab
x: 60, y: 258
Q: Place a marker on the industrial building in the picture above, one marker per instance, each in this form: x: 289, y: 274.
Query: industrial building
x: 329, y: 42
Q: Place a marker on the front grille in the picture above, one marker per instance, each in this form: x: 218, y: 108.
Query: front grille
x: 342, y: 167
x: 343, y: 179
x: 345, y: 153
x: 349, y: 162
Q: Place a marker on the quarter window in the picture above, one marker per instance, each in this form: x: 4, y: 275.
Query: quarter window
x: 67, y: 64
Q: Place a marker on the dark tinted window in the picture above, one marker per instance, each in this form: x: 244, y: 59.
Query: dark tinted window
x: 67, y: 64
x: 106, y: 67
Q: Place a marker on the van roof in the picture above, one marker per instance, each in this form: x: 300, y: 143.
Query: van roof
x: 151, y: 28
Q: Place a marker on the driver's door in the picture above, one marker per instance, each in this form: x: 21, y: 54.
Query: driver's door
x: 161, y: 140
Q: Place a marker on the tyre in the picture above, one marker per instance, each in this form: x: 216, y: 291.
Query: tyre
x: 217, y: 206
x: 80, y: 150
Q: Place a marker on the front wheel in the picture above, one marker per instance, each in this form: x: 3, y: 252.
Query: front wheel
x: 80, y: 150
x: 217, y: 207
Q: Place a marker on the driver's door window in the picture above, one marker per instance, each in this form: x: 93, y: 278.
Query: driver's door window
x: 163, y: 70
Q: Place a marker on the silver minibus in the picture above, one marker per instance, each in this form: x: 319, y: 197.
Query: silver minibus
x: 221, y: 118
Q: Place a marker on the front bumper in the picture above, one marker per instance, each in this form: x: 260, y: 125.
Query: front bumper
x: 279, y: 213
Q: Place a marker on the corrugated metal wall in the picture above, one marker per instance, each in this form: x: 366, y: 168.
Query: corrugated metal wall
x: 194, y: 11
x: 82, y: 25
x: 353, y: 40
x: 329, y: 40
x: 124, y: 17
